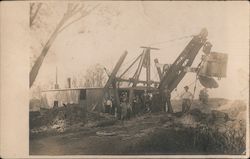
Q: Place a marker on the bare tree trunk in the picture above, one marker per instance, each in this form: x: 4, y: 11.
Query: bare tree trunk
x: 71, y: 11
x: 39, y: 60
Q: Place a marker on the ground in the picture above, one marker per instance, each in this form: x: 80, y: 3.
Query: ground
x: 216, y: 128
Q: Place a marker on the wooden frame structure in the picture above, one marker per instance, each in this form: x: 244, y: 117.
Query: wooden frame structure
x: 114, y: 82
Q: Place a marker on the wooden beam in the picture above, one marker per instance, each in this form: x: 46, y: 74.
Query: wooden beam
x: 117, y: 99
x: 158, y: 69
x: 151, y: 48
x: 176, y: 71
x: 131, y: 65
x: 112, y: 76
x: 147, y: 59
x: 138, y: 71
x: 138, y: 81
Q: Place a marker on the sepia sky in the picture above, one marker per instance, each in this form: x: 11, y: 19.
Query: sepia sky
x: 114, y: 27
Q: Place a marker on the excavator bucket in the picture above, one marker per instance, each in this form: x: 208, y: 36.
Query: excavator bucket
x: 208, y: 82
x: 215, y: 65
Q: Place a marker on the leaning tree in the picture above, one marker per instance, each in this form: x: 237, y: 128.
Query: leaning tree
x: 73, y: 13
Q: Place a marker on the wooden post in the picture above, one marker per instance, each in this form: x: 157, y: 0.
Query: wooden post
x: 56, y: 85
x: 116, y: 94
x: 136, y: 77
x: 131, y: 65
x: 147, y: 60
x: 138, y: 71
x: 158, y: 69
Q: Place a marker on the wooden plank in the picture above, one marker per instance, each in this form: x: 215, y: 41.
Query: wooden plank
x: 112, y: 76
x: 138, y: 81
x: 131, y: 65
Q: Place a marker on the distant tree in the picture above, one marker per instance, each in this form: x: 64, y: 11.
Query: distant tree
x: 36, y: 92
x: 74, y: 13
x: 95, y: 76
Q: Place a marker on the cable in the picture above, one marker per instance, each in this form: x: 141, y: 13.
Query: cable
x: 123, y: 68
x: 196, y: 79
x: 180, y: 38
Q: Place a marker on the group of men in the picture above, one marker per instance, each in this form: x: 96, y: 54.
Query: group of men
x: 122, y: 112
x: 186, y: 98
x: 143, y: 103
x: 140, y: 103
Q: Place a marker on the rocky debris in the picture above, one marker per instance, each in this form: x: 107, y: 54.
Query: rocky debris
x: 59, y: 125
x: 234, y: 109
x: 70, y: 117
x: 40, y: 129
x: 197, y: 114
x: 218, y: 125
x: 220, y: 116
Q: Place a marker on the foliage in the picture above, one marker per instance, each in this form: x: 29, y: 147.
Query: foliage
x: 95, y: 76
x: 230, y: 141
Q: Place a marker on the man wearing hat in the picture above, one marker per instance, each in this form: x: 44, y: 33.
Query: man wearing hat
x: 186, y: 100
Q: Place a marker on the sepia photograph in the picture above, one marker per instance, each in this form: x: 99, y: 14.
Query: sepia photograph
x: 138, y: 78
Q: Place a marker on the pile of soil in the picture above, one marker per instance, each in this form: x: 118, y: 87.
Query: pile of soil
x: 217, y: 130
x: 70, y: 114
x: 67, y: 118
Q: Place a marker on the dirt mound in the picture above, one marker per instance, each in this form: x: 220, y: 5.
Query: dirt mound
x: 67, y: 118
x: 234, y: 108
x: 69, y: 114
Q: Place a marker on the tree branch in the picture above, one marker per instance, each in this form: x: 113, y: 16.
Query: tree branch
x: 32, y: 17
x: 71, y: 10
x: 74, y: 8
x: 83, y: 15
x: 70, y: 24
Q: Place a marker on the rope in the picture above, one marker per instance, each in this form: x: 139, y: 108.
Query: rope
x: 180, y: 38
x: 123, y: 68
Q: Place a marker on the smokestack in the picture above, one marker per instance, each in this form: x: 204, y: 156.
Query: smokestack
x: 69, y: 82
x: 56, y: 75
x: 56, y: 85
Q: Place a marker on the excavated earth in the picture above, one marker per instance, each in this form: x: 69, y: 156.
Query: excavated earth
x: 216, y: 128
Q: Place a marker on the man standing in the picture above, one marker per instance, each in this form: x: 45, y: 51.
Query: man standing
x: 108, y: 106
x: 168, y: 106
x: 123, y: 109
x: 203, y: 96
x: 186, y: 100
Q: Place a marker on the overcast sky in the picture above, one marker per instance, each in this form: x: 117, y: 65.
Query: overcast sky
x: 102, y: 38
